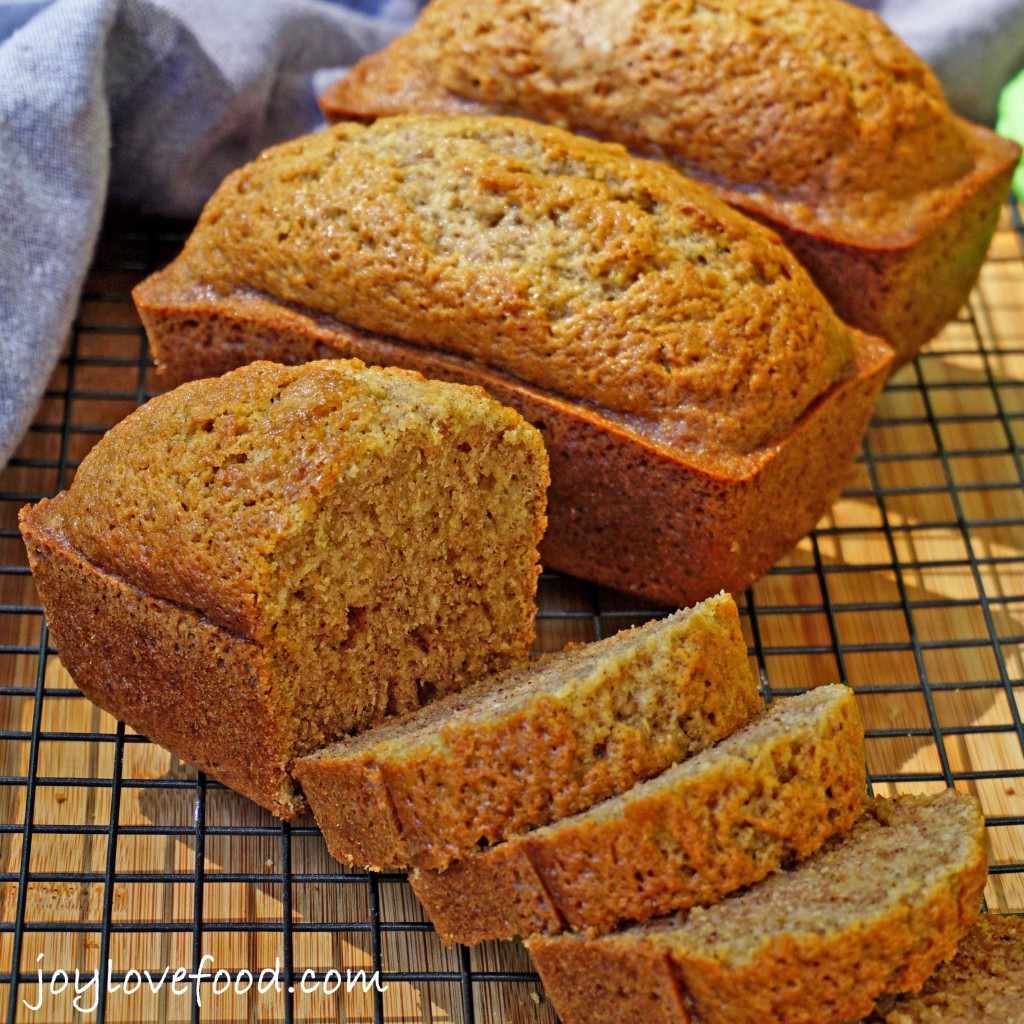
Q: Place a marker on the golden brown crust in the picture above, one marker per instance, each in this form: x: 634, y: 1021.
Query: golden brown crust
x: 749, y: 970
x: 712, y: 85
x: 904, y: 289
x: 148, y: 662
x: 390, y: 82
x: 814, y: 141
x: 611, y: 983
x: 188, y: 495
x: 623, y: 510
x: 558, y: 260
x: 533, y: 745
x: 771, y: 793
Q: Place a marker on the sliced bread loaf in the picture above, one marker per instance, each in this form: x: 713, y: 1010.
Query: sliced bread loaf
x: 532, y: 745
x: 771, y: 793
x: 874, y: 912
x: 810, y: 115
x: 700, y: 402
x: 983, y: 982
x: 248, y: 567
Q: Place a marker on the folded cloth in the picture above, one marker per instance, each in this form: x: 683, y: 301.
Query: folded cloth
x: 153, y: 101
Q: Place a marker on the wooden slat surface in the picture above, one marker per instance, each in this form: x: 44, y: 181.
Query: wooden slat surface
x: 912, y: 590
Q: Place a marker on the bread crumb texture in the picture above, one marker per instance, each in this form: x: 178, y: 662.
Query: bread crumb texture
x: 873, y: 913
x: 984, y: 982
x: 372, y: 533
x: 534, y: 744
x: 769, y: 794
x: 562, y: 261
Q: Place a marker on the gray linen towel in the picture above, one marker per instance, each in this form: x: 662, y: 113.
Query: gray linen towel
x: 152, y: 102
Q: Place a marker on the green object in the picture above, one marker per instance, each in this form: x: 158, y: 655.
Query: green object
x: 1011, y: 124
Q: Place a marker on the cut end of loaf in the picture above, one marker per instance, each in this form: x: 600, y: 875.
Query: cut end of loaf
x: 362, y: 540
x: 417, y: 572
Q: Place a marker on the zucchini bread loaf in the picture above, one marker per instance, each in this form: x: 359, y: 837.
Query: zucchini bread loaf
x: 533, y: 744
x: 247, y: 568
x: 874, y: 912
x: 770, y: 794
x: 700, y: 401
x: 807, y: 114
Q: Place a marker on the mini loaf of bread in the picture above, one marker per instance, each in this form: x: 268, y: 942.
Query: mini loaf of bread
x: 982, y: 984
x: 247, y: 568
x: 807, y: 114
x: 770, y: 794
x: 700, y: 401
x: 534, y: 744
x: 874, y: 912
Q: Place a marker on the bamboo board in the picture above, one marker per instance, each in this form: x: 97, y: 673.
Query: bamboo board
x: 912, y: 590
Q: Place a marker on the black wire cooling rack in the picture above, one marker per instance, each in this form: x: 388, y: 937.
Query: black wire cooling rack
x: 912, y: 591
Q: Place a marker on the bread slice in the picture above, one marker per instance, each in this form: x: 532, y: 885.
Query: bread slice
x: 984, y: 982
x: 770, y: 794
x: 248, y: 567
x: 892, y: 221
x: 535, y: 744
x: 700, y: 401
x: 874, y: 912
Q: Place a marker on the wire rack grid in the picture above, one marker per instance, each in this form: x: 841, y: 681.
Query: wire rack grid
x: 911, y: 591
